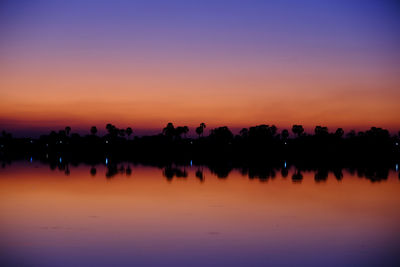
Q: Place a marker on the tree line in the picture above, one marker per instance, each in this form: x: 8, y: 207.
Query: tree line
x: 174, y: 141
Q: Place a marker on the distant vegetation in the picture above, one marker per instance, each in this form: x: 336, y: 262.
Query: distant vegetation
x: 261, y: 141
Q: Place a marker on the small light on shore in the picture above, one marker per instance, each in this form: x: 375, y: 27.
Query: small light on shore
x: 106, y: 161
x: 285, y: 165
x: 60, y: 160
x: 397, y: 167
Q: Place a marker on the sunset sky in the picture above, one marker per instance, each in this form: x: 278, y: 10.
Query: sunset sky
x: 235, y: 63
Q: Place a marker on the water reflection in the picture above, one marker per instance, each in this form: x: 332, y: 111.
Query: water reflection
x: 176, y: 214
x: 262, y: 172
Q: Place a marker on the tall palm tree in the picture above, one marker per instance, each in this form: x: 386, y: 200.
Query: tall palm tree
x: 67, y: 130
x: 200, y: 129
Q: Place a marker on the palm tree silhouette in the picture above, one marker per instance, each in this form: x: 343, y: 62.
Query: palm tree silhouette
x: 200, y: 129
x: 109, y: 128
x: 67, y: 130
x: 93, y: 130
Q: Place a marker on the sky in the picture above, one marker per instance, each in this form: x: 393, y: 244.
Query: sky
x: 236, y: 63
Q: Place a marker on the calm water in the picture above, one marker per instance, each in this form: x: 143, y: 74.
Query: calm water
x: 140, y: 218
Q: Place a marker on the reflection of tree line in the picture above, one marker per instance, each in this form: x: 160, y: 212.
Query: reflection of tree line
x: 222, y: 170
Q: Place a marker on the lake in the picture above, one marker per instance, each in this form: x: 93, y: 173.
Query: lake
x: 135, y: 215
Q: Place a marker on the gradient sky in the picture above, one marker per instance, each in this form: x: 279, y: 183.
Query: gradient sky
x: 234, y: 63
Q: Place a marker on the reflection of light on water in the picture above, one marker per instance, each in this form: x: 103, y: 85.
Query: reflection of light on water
x: 191, y: 163
x: 285, y: 165
x: 31, y: 159
x: 106, y: 161
x: 397, y: 167
x: 60, y: 159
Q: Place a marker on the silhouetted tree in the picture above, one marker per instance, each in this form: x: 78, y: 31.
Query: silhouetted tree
x: 112, y: 130
x: 109, y: 127
x: 262, y: 132
x: 273, y: 130
x: 200, y: 129
x: 244, y: 133
x: 67, y: 130
x: 181, y: 130
x: 185, y: 130
x: 7, y: 135
x: 62, y: 133
x: 298, y: 130
x: 169, y: 130
x: 339, y: 132
x: 121, y: 132
x: 285, y: 134
x: 351, y: 134
x: 221, y: 135
x: 321, y: 131
x: 129, y: 131
x: 93, y: 130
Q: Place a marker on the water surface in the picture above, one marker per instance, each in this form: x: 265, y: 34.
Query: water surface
x: 188, y: 216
